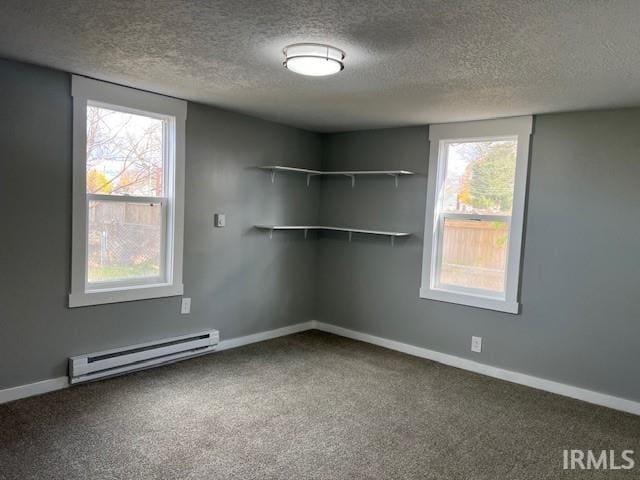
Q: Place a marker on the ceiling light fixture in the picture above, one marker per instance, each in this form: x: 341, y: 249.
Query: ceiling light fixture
x: 314, y: 59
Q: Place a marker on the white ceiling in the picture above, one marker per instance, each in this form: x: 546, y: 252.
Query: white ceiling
x: 408, y: 62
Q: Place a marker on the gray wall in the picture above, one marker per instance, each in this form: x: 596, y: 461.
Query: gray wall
x: 580, y: 320
x: 240, y: 282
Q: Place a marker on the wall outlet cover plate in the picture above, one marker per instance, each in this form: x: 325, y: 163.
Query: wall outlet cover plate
x: 185, y: 306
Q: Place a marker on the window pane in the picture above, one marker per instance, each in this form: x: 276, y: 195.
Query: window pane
x: 474, y: 254
x: 124, y: 153
x: 124, y: 240
x: 479, y: 177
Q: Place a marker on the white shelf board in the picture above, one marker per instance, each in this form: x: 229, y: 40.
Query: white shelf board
x: 349, y: 230
x: 369, y: 172
x: 345, y: 173
x: 278, y: 168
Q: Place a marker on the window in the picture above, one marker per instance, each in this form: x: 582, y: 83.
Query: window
x: 128, y: 194
x: 475, y: 209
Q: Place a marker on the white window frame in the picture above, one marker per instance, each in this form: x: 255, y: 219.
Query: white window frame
x: 92, y: 92
x: 519, y: 128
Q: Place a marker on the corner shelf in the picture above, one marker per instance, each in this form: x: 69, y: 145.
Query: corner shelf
x: 350, y: 231
x: 347, y: 173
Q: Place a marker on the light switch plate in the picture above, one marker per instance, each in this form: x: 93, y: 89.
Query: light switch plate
x: 185, y: 307
x: 220, y: 220
x: 476, y: 344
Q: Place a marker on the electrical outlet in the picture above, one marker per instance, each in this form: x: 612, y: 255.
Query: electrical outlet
x: 219, y: 220
x: 185, y: 307
x: 476, y: 344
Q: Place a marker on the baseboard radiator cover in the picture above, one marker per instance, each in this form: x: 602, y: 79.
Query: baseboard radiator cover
x: 118, y: 361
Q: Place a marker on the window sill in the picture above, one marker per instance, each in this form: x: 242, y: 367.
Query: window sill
x: 470, y: 300
x: 130, y: 294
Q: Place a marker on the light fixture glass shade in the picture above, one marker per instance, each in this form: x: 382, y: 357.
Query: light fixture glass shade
x: 313, y: 59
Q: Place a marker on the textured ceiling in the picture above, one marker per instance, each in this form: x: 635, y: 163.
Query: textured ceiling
x: 408, y: 62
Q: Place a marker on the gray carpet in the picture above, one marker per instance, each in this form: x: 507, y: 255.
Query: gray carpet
x: 307, y: 406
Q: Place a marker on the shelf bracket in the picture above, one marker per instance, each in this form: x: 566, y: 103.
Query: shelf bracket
x: 350, y: 236
x: 305, y: 233
x: 395, y: 178
x: 392, y: 239
x: 273, y: 176
x: 270, y: 233
x: 353, y: 180
x: 309, y: 175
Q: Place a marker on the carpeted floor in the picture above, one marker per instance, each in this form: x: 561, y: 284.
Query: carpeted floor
x: 307, y: 406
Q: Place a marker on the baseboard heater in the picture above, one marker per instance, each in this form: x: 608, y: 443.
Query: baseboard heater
x: 93, y: 366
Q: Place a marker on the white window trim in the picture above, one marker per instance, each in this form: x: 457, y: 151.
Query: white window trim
x: 85, y: 90
x: 439, y: 135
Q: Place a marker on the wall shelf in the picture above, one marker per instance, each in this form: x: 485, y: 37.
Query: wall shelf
x: 392, y: 235
x: 346, y: 173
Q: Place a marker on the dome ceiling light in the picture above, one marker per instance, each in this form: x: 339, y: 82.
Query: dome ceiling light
x: 314, y: 59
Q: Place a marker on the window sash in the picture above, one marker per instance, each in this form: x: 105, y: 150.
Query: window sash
x: 162, y: 278
x: 101, y: 197
x: 479, y: 217
x: 168, y: 130
x: 436, y: 268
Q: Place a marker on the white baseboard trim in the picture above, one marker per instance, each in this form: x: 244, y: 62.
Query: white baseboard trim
x: 262, y: 336
x: 31, y: 389
x: 597, y: 398
x: 578, y: 393
x: 46, y: 386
